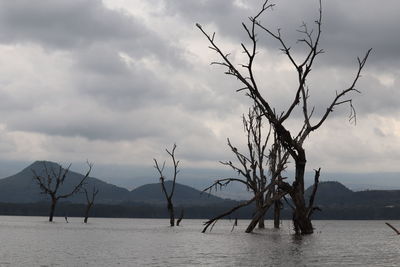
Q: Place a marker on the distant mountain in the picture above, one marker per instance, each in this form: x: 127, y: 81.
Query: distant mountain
x: 334, y: 194
x: 331, y: 193
x: 184, y: 195
x: 21, y: 188
x: 336, y: 200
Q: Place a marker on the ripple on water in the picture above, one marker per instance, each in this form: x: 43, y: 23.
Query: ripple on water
x: 31, y: 241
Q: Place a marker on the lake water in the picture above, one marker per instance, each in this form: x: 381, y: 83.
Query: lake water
x: 32, y: 241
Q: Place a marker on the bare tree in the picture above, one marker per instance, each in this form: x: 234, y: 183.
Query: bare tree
x: 180, y: 217
x: 52, y: 180
x: 292, y: 143
x: 168, y: 196
x: 254, y: 167
x: 89, y: 201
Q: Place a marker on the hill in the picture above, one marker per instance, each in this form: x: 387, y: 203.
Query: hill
x: 20, y: 195
x: 21, y: 188
x: 184, y: 195
x: 331, y: 193
x: 334, y: 194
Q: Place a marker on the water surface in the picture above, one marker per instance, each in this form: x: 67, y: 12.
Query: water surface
x: 32, y: 241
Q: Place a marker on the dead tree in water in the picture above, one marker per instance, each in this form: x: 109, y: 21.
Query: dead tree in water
x: 279, y: 121
x: 168, y: 196
x: 89, y: 201
x: 180, y: 218
x: 259, y: 169
x: 393, y: 228
x: 52, y: 180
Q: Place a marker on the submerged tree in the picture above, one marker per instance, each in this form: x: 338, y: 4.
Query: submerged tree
x: 89, y: 201
x: 52, y: 180
x: 168, y: 196
x: 259, y: 168
x: 293, y: 143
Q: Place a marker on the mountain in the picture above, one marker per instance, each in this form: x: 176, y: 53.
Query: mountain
x: 334, y: 194
x: 331, y: 193
x: 21, y: 188
x: 184, y: 195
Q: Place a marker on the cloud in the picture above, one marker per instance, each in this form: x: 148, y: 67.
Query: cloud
x: 119, y: 81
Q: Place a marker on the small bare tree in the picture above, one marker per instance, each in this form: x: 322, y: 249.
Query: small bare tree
x: 89, y: 201
x: 291, y: 143
x: 254, y: 167
x: 168, y: 196
x: 52, y: 180
x: 180, y: 217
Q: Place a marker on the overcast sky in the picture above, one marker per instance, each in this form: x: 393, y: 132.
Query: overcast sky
x: 118, y: 81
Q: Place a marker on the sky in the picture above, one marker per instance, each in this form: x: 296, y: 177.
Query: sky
x: 116, y: 82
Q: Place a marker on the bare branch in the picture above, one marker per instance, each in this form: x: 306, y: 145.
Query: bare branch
x: 80, y: 184
x: 220, y: 183
x: 351, y: 88
x: 215, y: 219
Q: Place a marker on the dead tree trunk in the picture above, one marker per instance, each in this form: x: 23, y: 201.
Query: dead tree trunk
x: 256, y: 218
x: 180, y: 218
x: 171, y: 213
x: 261, y: 212
x: 168, y: 196
x: 259, y: 205
x: 89, y: 202
x: 52, y: 208
x: 87, y: 210
x: 277, y: 214
x: 301, y: 220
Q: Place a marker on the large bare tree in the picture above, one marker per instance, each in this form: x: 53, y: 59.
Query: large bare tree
x: 259, y: 168
x: 170, y: 194
x: 52, y: 180
x: 293, y: 143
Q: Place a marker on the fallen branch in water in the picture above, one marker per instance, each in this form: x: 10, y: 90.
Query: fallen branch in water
x: 394, y: 228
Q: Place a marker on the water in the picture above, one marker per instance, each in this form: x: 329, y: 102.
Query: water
x: 32, y: 241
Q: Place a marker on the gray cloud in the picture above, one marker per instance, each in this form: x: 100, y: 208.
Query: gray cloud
x: 349, y: 28
x: 82, y: 80
x: 71, y: 25
x: 63, y: 24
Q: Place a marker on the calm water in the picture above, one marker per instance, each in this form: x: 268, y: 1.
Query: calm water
x: 31, y: 241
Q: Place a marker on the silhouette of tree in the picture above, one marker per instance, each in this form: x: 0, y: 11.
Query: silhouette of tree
x: 255, y: 166
x: 89, y: 201
x: 52, y: 181
x: 279, y: 121
x: 180, y: 217
x: 168, y: 196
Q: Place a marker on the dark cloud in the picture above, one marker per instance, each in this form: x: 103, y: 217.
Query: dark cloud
x: 349, y: 27
x: 64, y: 24
x: 73, y: 25
x: 132, y: 83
